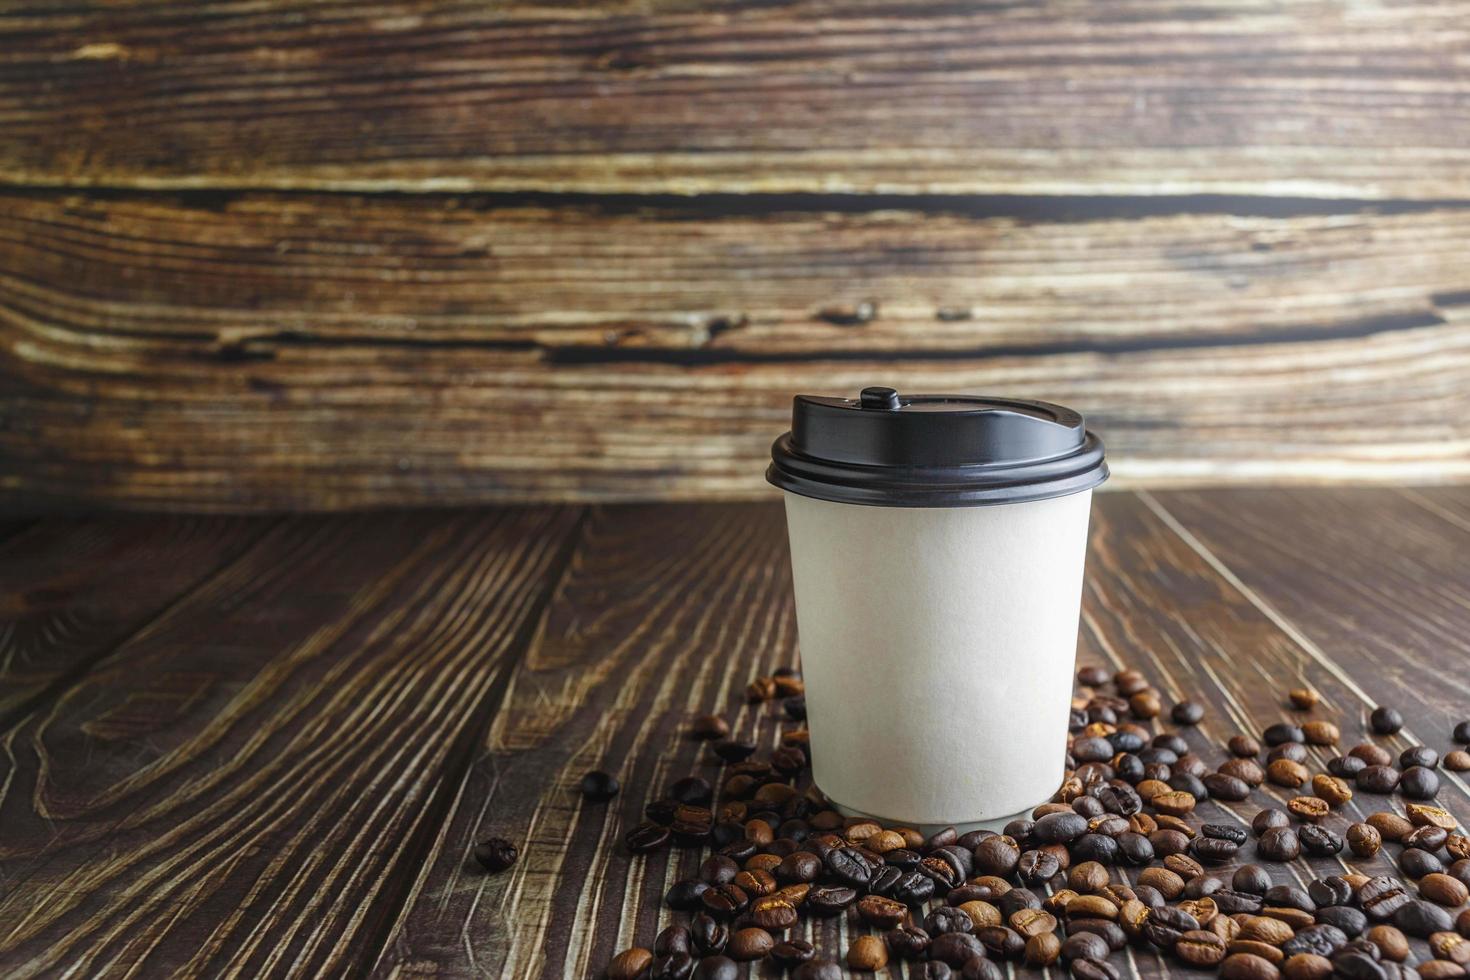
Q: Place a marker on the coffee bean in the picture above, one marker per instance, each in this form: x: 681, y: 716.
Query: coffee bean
x: 1381, y: 897
x: 829, y: 900
x: 750, y: 943
x: 1094, y: 970
x: 1418, y: 755
x: 1457, y: 761
x: 1292, y: 751
x: 955, y: 949
x: 1351, y: 921
x: 1224, y: 787
x: 717, y: 968
x: 1390, y: 825
x: 1416, y: 864
x: 684, y: 896
x: 1213, y: 850
x: 996, y: 856
x: 629, y: 964
x: 907, y: 942
x: 946, y: 919
x: 1425, y: 838
x: 1200, y: 948
x: 1420, y: 918
x: 1042, y: 949
x: 1085, y: 946
x: 1092, y: 675
x: 1268, y: 818
x: 867, y: 954
x: 1419, y: 783
x: 1346, y: 766
x: 1323, y: 940
x: 1187, y: 713
x: 1310, y: 808
x: 599, y: 787
x: 1134, y: 849
x: 1319, y: 841
x: 1088, y: 877
x: 1247, y: 966
x: 817, y: 970
x: 1231, y: 901
x: 1443, y: 890
x: 1385, y: 721
x: 1282, y: 732
x: 1332, y: 890
x: 1306, y: 966
x: 1363, y: 839
x: 495, y: 854
x: 709, y: 728
x: 734, y: 750
x: 707, y: 935
x: 1279, y: 844
x: 1059, y: 828
x: 913, y: 888
x: 674, y: 966
x: 1331, y: 788
x: 1285, y: 772
x: 1038, y: 867
x: 1378, y: 779
x: 1251, y: 878
x: 1321, y: 733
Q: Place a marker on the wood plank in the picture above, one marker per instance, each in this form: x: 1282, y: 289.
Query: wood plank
x: 278, y: 352
x: 621, y: 661
x: 71, y: 590
x: 240, y: 789
x: 1130, y: 96
x: 669, y: 611
x: 1374, y: 578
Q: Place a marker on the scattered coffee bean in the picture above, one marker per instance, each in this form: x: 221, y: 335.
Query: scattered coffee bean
x: 1443, y: 890
x: 1295, y: 751
x: 1279, y: 844
x: 750, y: 943
x: 1321, y: 733
x: 1419, y: 783
x: 1285, y: 772
x: 709, y: 728
x: 1378, y: 779
x: 1418, y: 755
x: 1200, y: 948
x: 867, y: 954
x: 1311, y: 808
x: 1420, y: 918
x: 717, y: 967
x: 495, y: 854
x: 1187, y: 713
x: 1318, y: 841
x: 1092, y: 676
x: 630, y: 964
x: 1385, y: 721
x: 1331, y: 788
x: 1364, y: 840
x: 1345, y: 766
x: 1457, y: 761
x: 1282, y: 732
x: 734, y: 750
x: 760, y: 689
x: 1267, y: 819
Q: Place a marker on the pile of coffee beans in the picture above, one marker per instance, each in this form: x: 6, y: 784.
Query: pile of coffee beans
x: 1145, y: 845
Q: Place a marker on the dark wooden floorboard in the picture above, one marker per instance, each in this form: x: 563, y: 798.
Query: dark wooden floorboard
x: 71, y: 589
x: 238, y: 789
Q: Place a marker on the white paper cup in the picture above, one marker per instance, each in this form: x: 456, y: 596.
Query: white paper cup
x: 938, y: 643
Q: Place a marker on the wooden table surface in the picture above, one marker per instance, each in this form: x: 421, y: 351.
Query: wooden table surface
x: 265, y: 746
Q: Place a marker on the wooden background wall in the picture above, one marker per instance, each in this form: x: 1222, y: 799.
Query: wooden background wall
x: 343, y: 254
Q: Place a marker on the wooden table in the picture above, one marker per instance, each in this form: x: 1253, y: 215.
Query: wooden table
x: 247, y: 747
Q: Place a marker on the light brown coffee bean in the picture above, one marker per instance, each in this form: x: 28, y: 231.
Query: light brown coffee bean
x: 1129, y: 682
x: 1145, y: 704
x: 1244, y: 966
x: 1056, y: 902
x: 1390, y: 826
x: 1169, y: 884
x: 1184, y: 866
x: 1255, y: 947
x: 1424, y: 815
x: 1243, y: 746
x: 760, y: 689
x: 1132, y: 916
x: 1450, y: 946
x: 882, y: 913
x: 1332, y: 789
x: 629, y: 964
x: 1033, y: 922
x: 1169, y: 822
x: 1295, y: 918
x: 1306, y: 966
x: 1321, y: 733
x: 1373, y: 755
x: 1265, y: 929
x: 749, y: 944
x: 1458, y: 845
x: 1091, y: 907
x: 1087, y: 877
x: 1175, y: 803
x: 1199, y: 947
x: 867, y: 954
x: 1308, y: 808
x: 1457, y: 761
x: 1226, y: 928
x: 1248, y: 771
x: 1042, y: 949
x: 1147, y: 789
x: 1302, y: 698
x: 1204, y: 910
x: 1441, y: 889
x: 981, y: 913
x: 1390, y: 941
x: 1284, y: 772
x: 1364, y: 839
x: 1439, y: 970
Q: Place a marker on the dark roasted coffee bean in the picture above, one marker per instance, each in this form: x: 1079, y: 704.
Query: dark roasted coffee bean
x: 1094, y: 970
x: 1093, y: 676
x: 1282, y: 732
x: 1019, y: 830
x: 692, y: 790
x: 914, y: 888
x: 598, y: 786
x: 1378, y: 779
x: 1016, y: 900
x: 1213, y: 850
x: 885, y: 880
x: 673, y: 939
x: 828, y: 900
x: 1351, y: 921
x: 850, y: 867
x: 1279, y: 844
x: 1001, y: 942
x: 1322, y: 940
x: 692, y: 823
x: 902, y: 857
x: 734, y: 750
x: 718, y: 869
x: 1085, y: 946
x: 907, y: 942
x: 1346, y: 766
x: 1318, y: 841
x: 1291, y: 897
x: 1426, y: 837
x: 1415, y: 864
x: 1187, y: 783
x: 708, y: 935
x: 495, y: 854
x: 1251, y: 878
x: 795, y: 708
x: 1130, y: 768
x: 1094, y: 847
x: 1290, y: 751
x: 1420, y: 918
x: 1167, y: 924
x: 1358, y: 965
x: 1385, y: 721
x: 1109, y: 825
x: 1038, y: 867
x: 1167, y: 842
x: 1419, y: 783
x: 1225, y: 831
x: 946, y: 919
x: 1268, y: 819
x: 955, y: 949
x: 1127, y: 740
x: 1418, y: 755
x: 1233, y: 901
x: 1092, y: 749
x: 996, y: 856
x: 1134, y: 849
x: 1381, y: 897
x: 1201, y: 886
x: 725, y: 901
x: 1225, y: 787
x: 1332, y: 890
x: 799, y: 867
x: 1059, y: 828
x: 1187, y: 713
x: 674, y: 966
x: 975, y: 968
x: 1122, y: 800
x: 684, y: 896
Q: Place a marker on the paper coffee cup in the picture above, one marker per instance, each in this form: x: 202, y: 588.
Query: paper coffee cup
x: 937, y: 546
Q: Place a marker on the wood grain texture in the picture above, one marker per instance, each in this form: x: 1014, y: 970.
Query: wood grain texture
x: 622, y: 660
x: 267, y: 352
x: 241, y: 789
x: 71, y: 590
x: 1130, y: 96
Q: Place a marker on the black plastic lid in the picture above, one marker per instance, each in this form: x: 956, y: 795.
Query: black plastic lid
x: 892, y: 450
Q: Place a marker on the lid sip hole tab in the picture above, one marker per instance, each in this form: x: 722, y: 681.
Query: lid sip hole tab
x: 887, y: 450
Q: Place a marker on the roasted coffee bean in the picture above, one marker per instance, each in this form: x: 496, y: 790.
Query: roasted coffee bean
x: 709, y: 728
x: 1213, y: 850
x: 734, y: 750
x: 1092, y: 749
x: 1426, y: 837
x: 1306, y: 966
x: 684, y: 896
x: 725, y: 901
x: 902, y: 857
x: 1059, y: 828
x: 849, y: 866
x: 1381, y: 897
x: 1165, y: 925
x: 1248, y: 771
x: 1038, y: 867
x: 1096, y: 848
x: 673, y: 939
x: 708, y: 935
x: 1419, y: 783
x: 1444, y: 890
x: 799, y: 866
x: 1332, y: 789
x: 794, y: 707
x: 749, y: 943
x: 1416, y: 864
x: 717, y: 968
x: 1290, y: 751
x: 829, y: 900
x: 976, y: 968
x: 1225, y: 831
x: 1200, y: 948
x: 775, y: 913
x: 1134, y: 849
x: 495, y: 854
x: 1110, y: 932
x: 1290, y: 897
x: 907, y: 942
x: 673, y: 966
x: 1088, y: 877
x: 1385, y: 721
x: 1223, y: 787
x: 1450, y: 946
x: 1346, y: 766
x: 867, y: 954
x: 1281, y: 732
x: 946, y: 919
x: 1285, y: 772
x: 1418, y: 755
x: 1094, y: 970
x: 955, y: 949
x: 1017, y: 899
x: 1279, y: 844
x: 1032, y: 922
x: 1108, y: 824
x: 692, y: 790
x: 1364, y: 840
x: 1457, y: 761
x: 1323, y: 940
x: 1420, y: 918
x: 1269, y: 818
x: 1001, y: 942
x: 718, y: 869
x: 1042, y: 950
x: 1321, y: 733
x: 1351, y: 921
x: 1168, y: 884
x: 1187, y: 713
x: 1373, y: 755
x: 817, y: 970
x: 1319, y: 841
x: 913, y: 888
x: 1085, y: 946
x: 996, y: 856
x: 1251, y: 878
x: 1378, y: 779
x: 1092, y: 676
x: 1234, y: 901
x: 1392, y: 943
x: 1122, y: 800
x: 630, y: 964
x: 1168, y: 841
x: 1332, y: 890
x: 1248, y: 966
